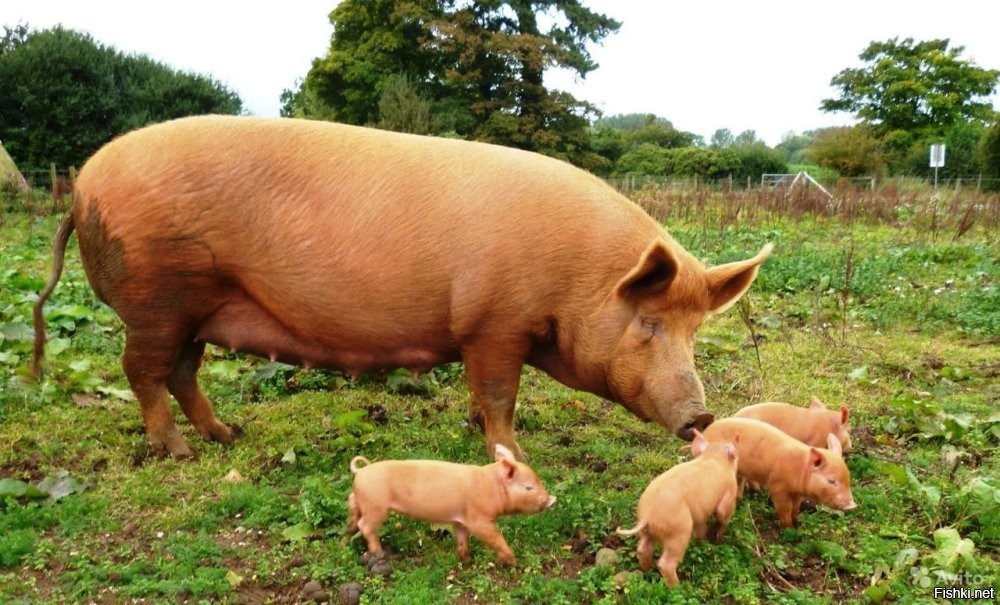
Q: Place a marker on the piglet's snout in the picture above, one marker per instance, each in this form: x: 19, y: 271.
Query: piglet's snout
x: 550, y: 502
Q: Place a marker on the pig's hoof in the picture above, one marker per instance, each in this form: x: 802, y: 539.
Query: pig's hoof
x: 377, y: 563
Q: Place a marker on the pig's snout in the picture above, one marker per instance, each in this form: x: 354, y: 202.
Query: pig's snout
x: 699, y: 423
x: 551, y: 501
x: 850, y: 505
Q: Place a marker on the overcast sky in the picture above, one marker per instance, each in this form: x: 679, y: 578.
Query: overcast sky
x: 704, y: 65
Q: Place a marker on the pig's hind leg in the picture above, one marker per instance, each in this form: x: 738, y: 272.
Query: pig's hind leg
x: 183, y: 385
x: 370, y: 518
x: 723, y: 514
x: 674, y: 547
x: 149, y: 358
x: 353, y: 514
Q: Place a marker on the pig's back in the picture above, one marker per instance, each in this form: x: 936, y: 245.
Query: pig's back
x: 763, y: 449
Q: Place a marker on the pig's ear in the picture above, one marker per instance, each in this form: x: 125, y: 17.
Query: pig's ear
x: 833, y: 444
x: 727, y: 283
x: 843, y: 414
x: 698, y: 444
x: 816, y: 404
x: 731, y: 448
x: 815, y: 458
x: 652, y: 275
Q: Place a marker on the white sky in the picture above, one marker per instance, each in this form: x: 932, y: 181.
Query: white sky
x: 763, y: 65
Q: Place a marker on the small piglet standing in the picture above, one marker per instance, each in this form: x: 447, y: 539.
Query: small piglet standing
x: 470, y: 497
x: 810, y: 425
x: 788, y: 468
x: 680, y: 502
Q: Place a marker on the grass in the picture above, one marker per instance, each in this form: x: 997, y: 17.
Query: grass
x: 898, y: 320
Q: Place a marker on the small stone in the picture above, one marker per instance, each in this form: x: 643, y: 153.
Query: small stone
x: 313, y: 591
x: 350, y: 594
x: 623, y: 576
x: 606, y: 558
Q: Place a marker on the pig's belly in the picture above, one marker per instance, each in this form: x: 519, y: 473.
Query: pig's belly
x: 246, y: 327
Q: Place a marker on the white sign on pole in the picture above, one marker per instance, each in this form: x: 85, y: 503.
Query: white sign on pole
x: 937, y: 155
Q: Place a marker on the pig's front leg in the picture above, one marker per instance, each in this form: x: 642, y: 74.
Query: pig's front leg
x: 787, y: 506
x: 493, y: 381
x: 487, y: 532
x: 462, y: 540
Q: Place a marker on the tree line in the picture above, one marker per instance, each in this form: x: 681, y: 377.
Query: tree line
x: 63, y: 95
x: 474, y: 70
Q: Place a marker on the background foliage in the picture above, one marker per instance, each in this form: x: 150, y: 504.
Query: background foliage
x: 63, y: 95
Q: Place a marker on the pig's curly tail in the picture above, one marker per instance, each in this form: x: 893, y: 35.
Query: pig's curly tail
x: 631, y: 532
x: 356, y: 460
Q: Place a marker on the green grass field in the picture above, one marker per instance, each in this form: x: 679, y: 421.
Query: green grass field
x: 898, y: 318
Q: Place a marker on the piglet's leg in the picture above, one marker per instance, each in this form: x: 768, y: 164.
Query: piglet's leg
x: 673, y: 552
x: 462, y: 539
x: 645, y: 551
x: 488, y: 533
x: 370, y: 520
x: 787, y: 506
x: 723, y: 514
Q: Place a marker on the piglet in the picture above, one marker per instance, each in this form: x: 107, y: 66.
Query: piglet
x: 788, y: 468
x: 470, y: 497
x: 680, y: 502
x: 810, y: 425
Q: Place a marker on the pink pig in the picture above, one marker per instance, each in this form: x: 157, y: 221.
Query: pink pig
x: 788, y: 468
x: 810, y: 425
x: 468, y: 496
x: 680, y: 502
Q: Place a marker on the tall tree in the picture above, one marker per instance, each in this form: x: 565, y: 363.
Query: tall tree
x: 989, y: 153
x: 63, y: 95
x: 480, y: 64
x: 908, y: 90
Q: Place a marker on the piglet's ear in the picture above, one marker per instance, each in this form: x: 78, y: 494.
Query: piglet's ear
x: 843, y: 414
x: 815, y: 458
x: 502, y: 453
x: 727, y: 283
x: 652, y: 275
x: 833, y: 444
x: 698, y: 444
x: 816, y: 404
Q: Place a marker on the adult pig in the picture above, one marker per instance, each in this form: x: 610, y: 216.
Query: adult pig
x: 342, y: 247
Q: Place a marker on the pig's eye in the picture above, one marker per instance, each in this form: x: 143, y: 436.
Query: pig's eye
x: 529, y: 488
x: 832, y: 481
x: 649, y: 327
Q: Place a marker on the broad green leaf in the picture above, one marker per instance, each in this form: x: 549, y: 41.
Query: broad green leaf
x: 289, y: 457
x: 61, y: 484
x: 952, y: 549
x: 56, y: 346
x: 858, y: 373
x: 234, y: 578
x: 123, y: 394
x: 17, y: 331
x: 15, y: 488
x: 76, y: 312
x: 297, y: 532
